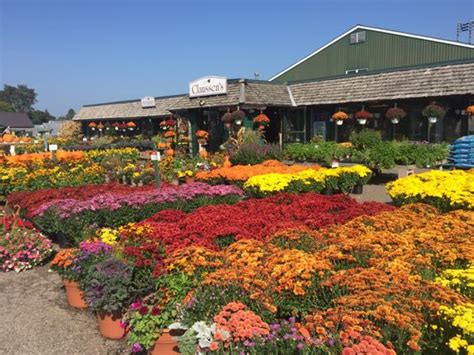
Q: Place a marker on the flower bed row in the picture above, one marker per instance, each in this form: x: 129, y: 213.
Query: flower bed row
x: 30, y: 201
x: 446, y: 190
x: 39, y: 171
x: 379, y: 283
x: 343, y: 179
x: 76, y: 219
x: 64, y: 156
x: 241, y: 173
x: 217, y: 226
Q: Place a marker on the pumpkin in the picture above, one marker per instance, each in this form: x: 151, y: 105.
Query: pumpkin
x: 227, y: 163
x: 7, y: 138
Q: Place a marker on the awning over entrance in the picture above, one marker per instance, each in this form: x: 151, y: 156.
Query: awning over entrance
x: 241, y: 92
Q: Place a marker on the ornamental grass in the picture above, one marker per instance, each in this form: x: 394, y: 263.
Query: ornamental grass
x: 446, y: 190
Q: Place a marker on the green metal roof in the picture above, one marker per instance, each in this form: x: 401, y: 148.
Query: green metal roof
x: 382, y: 50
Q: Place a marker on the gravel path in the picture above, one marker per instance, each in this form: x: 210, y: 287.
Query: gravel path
x: 36, y: 318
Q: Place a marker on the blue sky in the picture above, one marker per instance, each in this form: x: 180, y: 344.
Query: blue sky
x: 76, y: 52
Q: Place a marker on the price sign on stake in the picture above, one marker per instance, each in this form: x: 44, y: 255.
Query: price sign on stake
x: 53, y: 147
x: 155, y: 158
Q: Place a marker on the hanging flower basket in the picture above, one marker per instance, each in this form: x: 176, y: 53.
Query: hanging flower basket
x: 170, y: 134
x: 432, y: 112
x: 261, y: 121
x: 395, y: 114
x: 362, y: 116
x: 470, y: 110
x: 339, y: 117
x: 238, y: 115
x: 227, y: 117
x: 202, y: 134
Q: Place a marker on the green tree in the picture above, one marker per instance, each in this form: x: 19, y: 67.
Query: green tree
x: 5, y: 107
x: 39, y: 117
x: 21, y: 98
x: 70, y: 114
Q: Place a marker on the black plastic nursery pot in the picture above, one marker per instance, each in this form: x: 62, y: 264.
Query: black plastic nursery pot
x: 327, y: 191
x: 60, y: 239
x: 358, y: 189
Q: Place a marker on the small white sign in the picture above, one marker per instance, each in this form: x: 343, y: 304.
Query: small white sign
x: 335, y: 164
x: 156, y: 156
x: 53, y: 147
x: 12, y: 150
x: 208, y: 86
x: 148, y: 101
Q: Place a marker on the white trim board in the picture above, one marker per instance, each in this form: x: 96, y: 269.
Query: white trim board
x: 360, y: 27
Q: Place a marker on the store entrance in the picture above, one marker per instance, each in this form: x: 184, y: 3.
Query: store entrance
x: 209, y: 120
x: 272, y: 132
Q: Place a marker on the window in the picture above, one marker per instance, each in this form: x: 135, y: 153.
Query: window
x: 356, y: 71
x: 357, y: 37
x: 295, y: 126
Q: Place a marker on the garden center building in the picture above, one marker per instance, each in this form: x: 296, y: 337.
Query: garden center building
x: 365, y: 68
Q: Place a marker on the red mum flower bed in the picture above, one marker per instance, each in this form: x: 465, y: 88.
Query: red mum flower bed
x: 217, y: 226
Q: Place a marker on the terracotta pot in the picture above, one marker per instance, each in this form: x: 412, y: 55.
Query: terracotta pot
x: 75, y: 297
x: 109, y: 325
x: 188, y: 179
x: 165, y: 345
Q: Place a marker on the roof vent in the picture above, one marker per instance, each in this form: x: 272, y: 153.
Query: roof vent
x: 357, y: 37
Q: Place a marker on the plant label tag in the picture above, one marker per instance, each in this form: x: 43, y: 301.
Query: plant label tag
x: 335, y: 164
x: 156, y: 156
x: 12, y: 150
x: 53, y: 147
